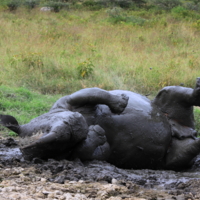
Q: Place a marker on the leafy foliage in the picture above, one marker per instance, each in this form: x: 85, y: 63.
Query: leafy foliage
x: 98, y: 4
x: 166, y: 4
x: 13, y: 4
x: 30, y: 59
x: 30, y: 4
x: 193, y: 5
x: 85, y: 68
x: 57, y: 5
x: 117, y: 15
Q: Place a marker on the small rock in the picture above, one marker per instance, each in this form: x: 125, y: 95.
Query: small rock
x: 15, y: 196
x: 67, y: 196
x: 46, y: 9
x: 58, y: 192
x: 46, y: 192
x: 40, y: 195
x: 72, y: 182
x: 43, y: 180
x: 114, y: 181
x: 80, y: 196
x: 51, y: 195
x: 37, y: 161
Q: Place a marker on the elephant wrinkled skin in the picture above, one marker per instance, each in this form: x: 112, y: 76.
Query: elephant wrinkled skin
x: 121, y: 127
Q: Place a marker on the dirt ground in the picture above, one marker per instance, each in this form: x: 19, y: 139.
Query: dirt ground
x: 96, y: 180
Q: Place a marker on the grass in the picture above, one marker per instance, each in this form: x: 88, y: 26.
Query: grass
x: 197, y: 119
x: 23, y: 104
x: 135, y: 50
x: 42, y: 51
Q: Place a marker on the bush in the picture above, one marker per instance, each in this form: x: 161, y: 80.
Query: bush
x: 192, y: 6
x: 114, y: 3
x: 180, y: 12
x: 129, y: 3
x: 85, y: 68
x: 30, y: 4
x: 94, y: 5
x: 13, y: 4
x: 117, y: 16
x: 57, y: 5
x: 166, y: 4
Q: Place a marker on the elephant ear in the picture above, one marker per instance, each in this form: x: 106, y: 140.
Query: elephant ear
x: 179, y: 131
x: 10, y: 122
x: 182, y: 153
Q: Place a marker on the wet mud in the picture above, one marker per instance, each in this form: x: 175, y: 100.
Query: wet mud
x: 65, y: 179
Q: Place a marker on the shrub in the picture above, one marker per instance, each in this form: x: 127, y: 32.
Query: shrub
x: 196, y: 24
x: 180, y: 12
x: 13, y: 4
x: 97, y: 4
x: 30, y: 60
x: 128, y: 3
x: 94, y: 5
x: 117, y: 16
x: 57, y: 5
x: 30, y: 4
x: 192, y: 6
x: 166, y: 4
x: 85, y: 68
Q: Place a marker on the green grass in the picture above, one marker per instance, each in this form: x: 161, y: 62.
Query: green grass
x: 197, y: 119
x: 23, y: 104
x: 135, y: 50
x: 42, y: 51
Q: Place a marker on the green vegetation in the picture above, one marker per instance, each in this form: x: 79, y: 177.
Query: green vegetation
x: 23, y: 104
x: 129, y: 44
x: 197, y: 119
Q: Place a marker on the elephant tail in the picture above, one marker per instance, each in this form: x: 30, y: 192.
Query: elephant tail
x: 182, y: 153
x: 10, y: 122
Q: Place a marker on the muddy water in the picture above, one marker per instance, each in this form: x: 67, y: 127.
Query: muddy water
x: 173, y: 185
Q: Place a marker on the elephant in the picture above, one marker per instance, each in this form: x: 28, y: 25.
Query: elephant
x: 121, y: 127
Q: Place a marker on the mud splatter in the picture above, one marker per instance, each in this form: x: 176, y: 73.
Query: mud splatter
x: 65, y: 179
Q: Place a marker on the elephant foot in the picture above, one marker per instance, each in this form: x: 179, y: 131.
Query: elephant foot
x: 118, y: 103
x: 182, y: 153
x: 95, y: 146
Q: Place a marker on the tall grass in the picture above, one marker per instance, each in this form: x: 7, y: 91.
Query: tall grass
x: 134, y: 50
x: 42, y: 51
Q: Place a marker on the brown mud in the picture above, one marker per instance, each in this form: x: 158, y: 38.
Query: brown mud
x: 51, y: 179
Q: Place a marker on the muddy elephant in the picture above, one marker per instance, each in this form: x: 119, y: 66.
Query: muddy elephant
x: 121, y: 127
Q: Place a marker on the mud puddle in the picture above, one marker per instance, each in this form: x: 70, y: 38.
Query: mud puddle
x: 91, y: 180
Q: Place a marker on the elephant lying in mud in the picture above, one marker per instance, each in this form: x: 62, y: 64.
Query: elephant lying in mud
x: 121, y: 127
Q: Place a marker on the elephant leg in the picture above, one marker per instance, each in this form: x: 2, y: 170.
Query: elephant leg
x: 182, y: 153
x: 93, y: 96
x: 95, y: 146
x: 55, y: 135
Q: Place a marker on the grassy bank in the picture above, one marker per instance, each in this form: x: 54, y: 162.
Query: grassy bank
x: 43, y: 51
x: 58, y: 53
